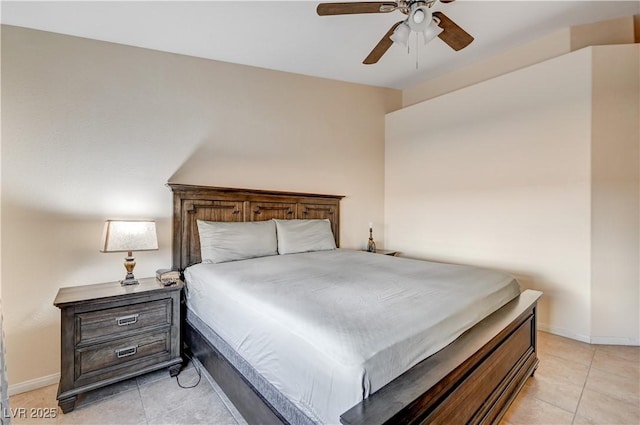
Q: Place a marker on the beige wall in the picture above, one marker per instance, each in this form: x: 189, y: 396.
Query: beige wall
x: 612, y: 31
x: 552, y: 45
x: 499, y: 174
x: 609, y: 32
x: 93, y: 130
x: 615, y: 183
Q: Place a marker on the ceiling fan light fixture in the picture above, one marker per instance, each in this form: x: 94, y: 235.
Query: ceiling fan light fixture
x: 401, y: 34
x: 419, y: 17
x: 432, y: 31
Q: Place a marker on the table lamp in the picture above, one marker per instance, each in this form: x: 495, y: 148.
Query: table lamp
x: 128, y: 236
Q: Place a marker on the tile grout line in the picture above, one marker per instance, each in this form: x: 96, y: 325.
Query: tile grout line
x: 575, y: 411
x: 235, y: 414
x: 173, y: 409
x: 597, y: 389
x: 144, y: 409
x: 584, y: 386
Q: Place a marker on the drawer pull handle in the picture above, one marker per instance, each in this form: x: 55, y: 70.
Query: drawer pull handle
x: 127, y: 320
x: 126, y: 352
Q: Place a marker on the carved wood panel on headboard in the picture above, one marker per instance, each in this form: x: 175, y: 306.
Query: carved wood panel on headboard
x: 192, y: 203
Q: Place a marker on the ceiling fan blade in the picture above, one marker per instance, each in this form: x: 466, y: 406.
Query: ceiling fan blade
x: 453, y: 35
x: 382, y: 47
x: 325, y: 9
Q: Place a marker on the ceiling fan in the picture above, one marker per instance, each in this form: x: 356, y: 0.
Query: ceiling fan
x: 420, y: 19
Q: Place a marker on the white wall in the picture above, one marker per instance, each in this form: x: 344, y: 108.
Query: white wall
x: 93, y: 130
x: 609, y: 32
x: 550, y: 46
x: 615, y: 183
x: 499, y: 174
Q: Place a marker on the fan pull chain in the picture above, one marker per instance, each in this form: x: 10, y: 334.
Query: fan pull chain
x: 417, y: 49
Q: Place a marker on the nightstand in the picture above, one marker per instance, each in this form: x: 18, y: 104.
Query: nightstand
x: 111, y: 332
x: 385, y: 252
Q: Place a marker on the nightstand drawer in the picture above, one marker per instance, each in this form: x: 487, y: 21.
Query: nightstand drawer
x: 111, y: 355
x: 120, y: 320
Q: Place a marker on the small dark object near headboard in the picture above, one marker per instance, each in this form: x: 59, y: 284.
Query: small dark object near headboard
x: 192, y: 203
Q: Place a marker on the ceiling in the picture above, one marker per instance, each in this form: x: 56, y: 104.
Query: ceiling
x: 289, y: 36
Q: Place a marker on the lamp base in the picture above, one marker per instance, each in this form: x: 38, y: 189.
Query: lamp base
x: 129, y: 279
x: 129, y: 264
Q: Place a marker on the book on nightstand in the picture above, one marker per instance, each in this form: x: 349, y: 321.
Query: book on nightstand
x: 167, y: 276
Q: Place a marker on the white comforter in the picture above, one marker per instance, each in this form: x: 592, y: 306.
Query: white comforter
x: 328, y: 328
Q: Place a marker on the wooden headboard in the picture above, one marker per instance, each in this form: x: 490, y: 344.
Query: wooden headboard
x: 192, y: 203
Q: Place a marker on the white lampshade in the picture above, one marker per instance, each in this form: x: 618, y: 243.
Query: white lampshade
x: 401, y: 34
x: 129, y: 235
x: 432, y: 31
x: 420, y: 17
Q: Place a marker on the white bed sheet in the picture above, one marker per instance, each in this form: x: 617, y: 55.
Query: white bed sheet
x: 329, y: 328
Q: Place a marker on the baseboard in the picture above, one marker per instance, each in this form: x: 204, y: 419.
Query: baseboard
x: 612, y: 340
x: 598, y: 340
x: 33, y: 384
x: 564, y: 332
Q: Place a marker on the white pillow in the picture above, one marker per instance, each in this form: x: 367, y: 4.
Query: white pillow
x: 221, y: 241
x: 304, y: 236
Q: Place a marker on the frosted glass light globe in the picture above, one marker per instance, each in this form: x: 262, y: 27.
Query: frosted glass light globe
x: 418, y: 16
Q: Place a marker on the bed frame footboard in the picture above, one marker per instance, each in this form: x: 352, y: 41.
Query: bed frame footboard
x: 471, y: 381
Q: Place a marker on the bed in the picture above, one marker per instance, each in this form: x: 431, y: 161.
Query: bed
x: 473, y: 379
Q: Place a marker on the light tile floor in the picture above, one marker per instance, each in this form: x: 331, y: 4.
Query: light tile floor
x: 576, y: 383
x: 151, y: 399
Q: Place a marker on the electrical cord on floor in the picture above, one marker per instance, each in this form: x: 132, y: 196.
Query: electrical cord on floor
x: 195, y: 366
